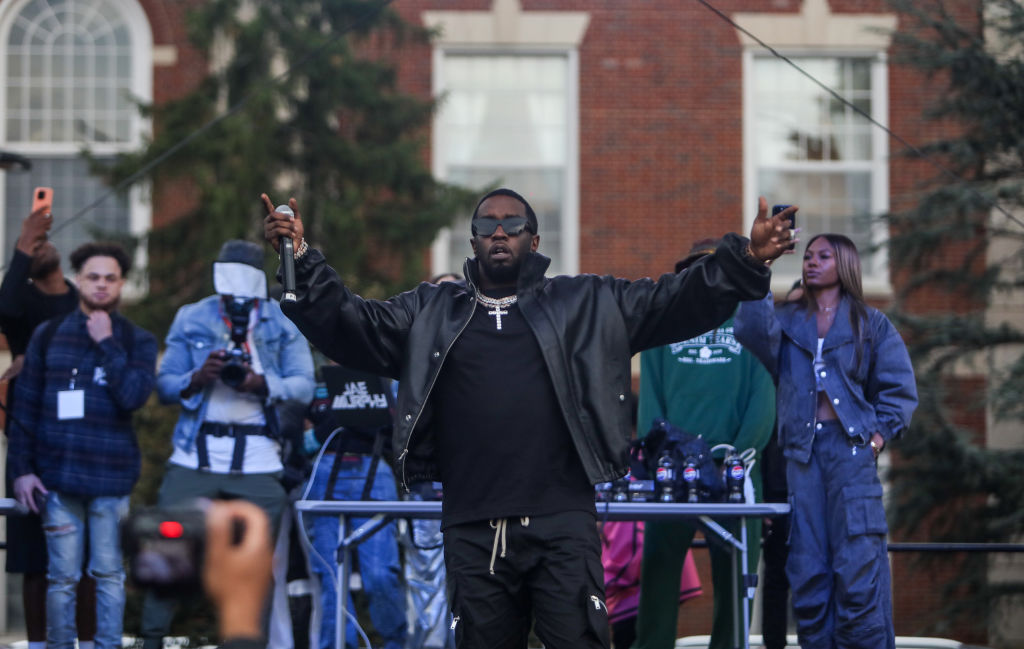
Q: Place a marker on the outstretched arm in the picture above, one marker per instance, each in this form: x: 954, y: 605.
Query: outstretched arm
x: 360, y: 333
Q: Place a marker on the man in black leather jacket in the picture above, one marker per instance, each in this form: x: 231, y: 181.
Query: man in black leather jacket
x: 520, y: 406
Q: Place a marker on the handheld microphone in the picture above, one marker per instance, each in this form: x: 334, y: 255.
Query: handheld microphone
x: 287, y: 259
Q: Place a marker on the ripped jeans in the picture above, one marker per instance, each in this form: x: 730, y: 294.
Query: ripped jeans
x: 66, y: 521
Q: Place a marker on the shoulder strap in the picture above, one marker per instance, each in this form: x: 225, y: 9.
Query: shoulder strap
x: 49, y: 329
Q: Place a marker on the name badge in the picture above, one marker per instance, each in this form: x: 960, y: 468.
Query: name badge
x: 70, y: 404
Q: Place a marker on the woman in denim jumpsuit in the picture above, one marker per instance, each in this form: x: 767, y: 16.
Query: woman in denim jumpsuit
x: 845, y: 388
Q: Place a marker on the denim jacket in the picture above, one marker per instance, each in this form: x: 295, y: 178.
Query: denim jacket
x: 874, y: 392
x: 200, y: 328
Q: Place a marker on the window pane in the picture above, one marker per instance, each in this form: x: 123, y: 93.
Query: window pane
x: 60, y: 129
x: 83, y: 68
x: 15, y: 97
x: 16, y: 67
x: 17, y: 35
x: 14, y: 130
x: 36, y: 65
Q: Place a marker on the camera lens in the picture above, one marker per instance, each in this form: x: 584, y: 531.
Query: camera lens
x: 233, y: 373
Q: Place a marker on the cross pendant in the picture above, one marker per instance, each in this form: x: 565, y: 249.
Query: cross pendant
x: 498, y: 313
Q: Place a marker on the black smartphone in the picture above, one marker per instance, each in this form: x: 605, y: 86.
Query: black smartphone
x: 792, y: 220
x: 792, y: 217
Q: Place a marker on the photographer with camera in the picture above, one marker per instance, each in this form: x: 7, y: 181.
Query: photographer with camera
x: 232, y: 359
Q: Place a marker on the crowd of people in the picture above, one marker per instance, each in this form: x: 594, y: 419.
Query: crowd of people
x: 510, y: 399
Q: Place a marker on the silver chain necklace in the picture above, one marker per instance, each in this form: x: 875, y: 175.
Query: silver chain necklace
x: 497, y: 305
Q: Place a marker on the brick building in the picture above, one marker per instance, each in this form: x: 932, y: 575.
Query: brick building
x: 633, y: 126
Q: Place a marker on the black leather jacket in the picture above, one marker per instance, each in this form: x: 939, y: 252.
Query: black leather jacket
x: 588, y: 327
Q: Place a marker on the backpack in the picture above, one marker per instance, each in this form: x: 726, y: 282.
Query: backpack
x: 663, y: 438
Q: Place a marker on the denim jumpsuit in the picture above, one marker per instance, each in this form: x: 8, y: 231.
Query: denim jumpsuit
x: 838, y: 565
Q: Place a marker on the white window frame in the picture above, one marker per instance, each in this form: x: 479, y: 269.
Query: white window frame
x: 876, y: 278
x: 140, y: 209
x: 568, y: 253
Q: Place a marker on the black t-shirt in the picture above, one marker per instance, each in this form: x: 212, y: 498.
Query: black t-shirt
x: 504, y: 449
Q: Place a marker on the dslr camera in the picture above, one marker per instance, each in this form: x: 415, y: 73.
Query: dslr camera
x: 165, y: 547
x: 237, y: 366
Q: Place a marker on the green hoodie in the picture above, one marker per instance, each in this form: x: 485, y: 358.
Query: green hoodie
x: 710, y: 386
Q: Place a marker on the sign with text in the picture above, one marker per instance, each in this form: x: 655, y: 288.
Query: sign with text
x: 357, y: 399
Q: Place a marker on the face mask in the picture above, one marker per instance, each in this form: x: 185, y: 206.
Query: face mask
x: 240, y: 280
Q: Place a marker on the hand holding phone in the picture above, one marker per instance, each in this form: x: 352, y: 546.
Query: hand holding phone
x: 42, y: 197
x: 37, y: 223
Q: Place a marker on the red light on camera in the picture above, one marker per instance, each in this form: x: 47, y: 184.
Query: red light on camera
x: 171, y: 530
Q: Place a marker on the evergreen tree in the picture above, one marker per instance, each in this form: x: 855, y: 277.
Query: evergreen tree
x: 960, y: 239
x: 307, y: 105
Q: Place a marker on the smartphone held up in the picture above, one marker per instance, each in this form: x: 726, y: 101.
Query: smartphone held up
x: 776, y: 209
x: 42, y: 197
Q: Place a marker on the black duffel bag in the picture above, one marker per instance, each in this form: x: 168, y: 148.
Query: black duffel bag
x: 681, y: 447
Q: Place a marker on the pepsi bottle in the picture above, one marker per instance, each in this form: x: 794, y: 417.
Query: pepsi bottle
x: 665, y: 477
x: 735, y: 473
x: 691, y: 478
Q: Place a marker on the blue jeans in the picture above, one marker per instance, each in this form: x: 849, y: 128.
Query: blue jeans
x: 66, y: 521
x: 378, y: 555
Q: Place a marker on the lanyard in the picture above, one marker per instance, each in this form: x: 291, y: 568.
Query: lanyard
x: 252, y: 314
x: 74, y: 370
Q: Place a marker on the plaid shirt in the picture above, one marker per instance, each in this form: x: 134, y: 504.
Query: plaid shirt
x: 97, y: 454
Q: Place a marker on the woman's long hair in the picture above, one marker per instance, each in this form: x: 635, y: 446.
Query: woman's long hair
x: 848, y: 269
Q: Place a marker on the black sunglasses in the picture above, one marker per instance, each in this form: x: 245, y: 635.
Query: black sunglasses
x: 486, y: 226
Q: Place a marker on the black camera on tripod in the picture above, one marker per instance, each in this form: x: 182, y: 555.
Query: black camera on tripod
x: 237, y: 358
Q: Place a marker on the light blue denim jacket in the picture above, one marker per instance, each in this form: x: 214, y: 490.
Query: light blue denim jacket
x: 199, y: 328
x: 877, y: 394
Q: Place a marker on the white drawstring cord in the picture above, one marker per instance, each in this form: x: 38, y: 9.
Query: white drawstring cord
x: 500, y: 527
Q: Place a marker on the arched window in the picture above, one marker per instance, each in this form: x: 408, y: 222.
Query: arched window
x: 71, y: 72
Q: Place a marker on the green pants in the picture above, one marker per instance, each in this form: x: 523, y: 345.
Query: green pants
x: 665, y: 547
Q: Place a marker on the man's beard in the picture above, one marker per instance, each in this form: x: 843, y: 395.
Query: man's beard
x: 109, y: 307
x: 501, y: 273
